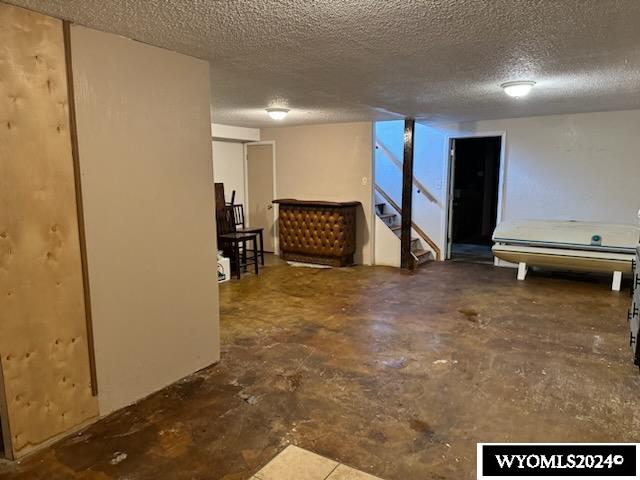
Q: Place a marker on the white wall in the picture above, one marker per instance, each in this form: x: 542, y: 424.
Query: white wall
x: 228, y: 168
x: 580, y: 167
x: 231, y: 132
x: 387, y: 245
x: 144, y: 139
x: 328, y: 162
x: 228, y: 157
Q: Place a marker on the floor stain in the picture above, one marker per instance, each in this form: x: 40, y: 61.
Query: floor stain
x: 470, y: 315
x: 388, y: 371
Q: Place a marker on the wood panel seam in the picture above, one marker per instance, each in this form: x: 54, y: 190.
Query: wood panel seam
x: 73, y: 131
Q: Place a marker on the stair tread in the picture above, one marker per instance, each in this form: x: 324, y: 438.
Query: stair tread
x: 386, y: 215
x: 395, y: 228
x: 422, y: 257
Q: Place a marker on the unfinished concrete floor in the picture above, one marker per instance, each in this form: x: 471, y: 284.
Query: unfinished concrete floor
x: 393, y: 373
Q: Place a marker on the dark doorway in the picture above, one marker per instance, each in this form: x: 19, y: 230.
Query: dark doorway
x: 475, y: 172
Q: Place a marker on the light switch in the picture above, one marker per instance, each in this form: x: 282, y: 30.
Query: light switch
x: 364, y: 180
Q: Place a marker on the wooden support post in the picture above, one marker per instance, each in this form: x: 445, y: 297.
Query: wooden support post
x: 406, y: 260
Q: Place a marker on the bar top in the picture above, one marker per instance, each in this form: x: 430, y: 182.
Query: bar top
x: 293, y: 201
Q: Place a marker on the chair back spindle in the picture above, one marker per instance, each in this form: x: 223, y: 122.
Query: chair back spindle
x: 225, y: 221
x: 238, y: 216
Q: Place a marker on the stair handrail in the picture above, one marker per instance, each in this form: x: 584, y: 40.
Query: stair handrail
x: 419, y: 231
x: 421, y: 188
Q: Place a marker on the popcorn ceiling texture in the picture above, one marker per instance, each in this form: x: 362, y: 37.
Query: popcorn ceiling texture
x: 347, y: 60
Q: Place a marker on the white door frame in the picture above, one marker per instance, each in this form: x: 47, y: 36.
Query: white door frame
x: 448, y: 175
x: 276, y: 242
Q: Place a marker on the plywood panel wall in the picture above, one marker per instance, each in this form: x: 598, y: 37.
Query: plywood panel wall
x: 43, y: 339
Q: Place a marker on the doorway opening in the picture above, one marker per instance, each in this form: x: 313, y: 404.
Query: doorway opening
x: 473, y: 198
x: 260, y: 190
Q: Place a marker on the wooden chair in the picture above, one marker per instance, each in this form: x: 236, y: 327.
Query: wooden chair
x: 239, y: 221
x: 234, y: 243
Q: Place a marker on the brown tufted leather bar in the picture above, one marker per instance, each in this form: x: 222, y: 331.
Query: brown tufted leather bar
x: 317, y: 232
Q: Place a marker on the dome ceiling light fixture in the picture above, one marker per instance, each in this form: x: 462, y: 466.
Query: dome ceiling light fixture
x: 277, y: 113
x: 518, y: 89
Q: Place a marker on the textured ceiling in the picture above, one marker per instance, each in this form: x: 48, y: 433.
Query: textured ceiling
x: 343, y: 60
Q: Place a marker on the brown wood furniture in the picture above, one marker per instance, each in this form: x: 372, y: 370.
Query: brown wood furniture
x: 219, y: 197
x: 234, y: 244
x: 317, y: 232
x: 239, y: 221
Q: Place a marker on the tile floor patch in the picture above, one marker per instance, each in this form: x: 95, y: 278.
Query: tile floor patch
x: 347, y: 473
x: 294, y: 463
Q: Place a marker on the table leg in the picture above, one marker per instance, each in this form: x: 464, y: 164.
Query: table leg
x: 236, y: 255
x: 255, y: 253
x: 261, y: 249
x: 617, y: 280
x: 522, y: 270
x: 244, y: 255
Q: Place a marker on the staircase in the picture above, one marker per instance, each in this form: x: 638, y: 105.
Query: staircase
x: 391, y: 219
x: 389, y: 168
